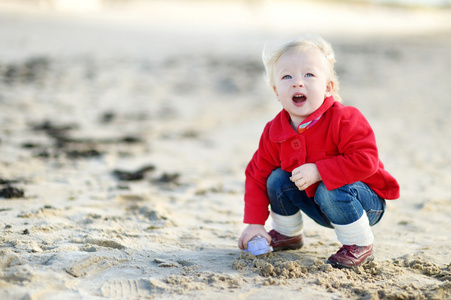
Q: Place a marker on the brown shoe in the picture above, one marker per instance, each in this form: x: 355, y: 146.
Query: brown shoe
x: 283, y: 242
x: 351, y: 256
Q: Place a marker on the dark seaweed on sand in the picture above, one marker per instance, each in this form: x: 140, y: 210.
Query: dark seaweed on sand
x: 10, y: 192
x: 133, y: 175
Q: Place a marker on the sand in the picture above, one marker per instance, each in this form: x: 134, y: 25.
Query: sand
x: 125, y: 133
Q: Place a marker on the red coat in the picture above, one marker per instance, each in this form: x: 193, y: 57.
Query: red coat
x: 341, y: 144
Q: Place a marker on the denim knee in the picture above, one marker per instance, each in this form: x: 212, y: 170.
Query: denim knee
x: 340, y: 205
x: 347, y: 204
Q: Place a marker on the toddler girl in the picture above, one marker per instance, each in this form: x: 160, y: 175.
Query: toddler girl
x: 316, y: 156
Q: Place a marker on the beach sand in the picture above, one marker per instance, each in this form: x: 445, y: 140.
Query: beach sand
x: 125, y: 132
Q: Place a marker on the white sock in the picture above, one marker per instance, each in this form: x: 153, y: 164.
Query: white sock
x: 357, y: 233
x: 287, y: 225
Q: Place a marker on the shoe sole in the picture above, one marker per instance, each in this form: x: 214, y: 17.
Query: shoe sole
x: 341, y: 266
x: 288, y: 247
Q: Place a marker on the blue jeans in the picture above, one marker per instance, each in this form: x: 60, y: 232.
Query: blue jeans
x: 341, y: 206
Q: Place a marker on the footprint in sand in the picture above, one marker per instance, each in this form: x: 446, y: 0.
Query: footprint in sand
x: 92, y: 265
x: 131, y: 289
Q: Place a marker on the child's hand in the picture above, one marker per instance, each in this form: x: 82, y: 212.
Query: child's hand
x: 305, y: 175
x: 251, y: 231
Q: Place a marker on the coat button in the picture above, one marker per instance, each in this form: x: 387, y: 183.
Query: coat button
x: 296, y: 144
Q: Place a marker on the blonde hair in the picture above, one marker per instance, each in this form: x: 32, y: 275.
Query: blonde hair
x: 300, y: 46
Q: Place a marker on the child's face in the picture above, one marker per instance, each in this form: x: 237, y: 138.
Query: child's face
x: 301, y: 83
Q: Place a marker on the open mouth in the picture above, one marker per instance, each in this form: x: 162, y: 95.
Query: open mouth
x: 299, y: 98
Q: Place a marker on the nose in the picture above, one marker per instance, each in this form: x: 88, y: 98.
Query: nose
x: 298, y: 83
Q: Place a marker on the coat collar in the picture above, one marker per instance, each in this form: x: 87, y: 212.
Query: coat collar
x: 281, y: 129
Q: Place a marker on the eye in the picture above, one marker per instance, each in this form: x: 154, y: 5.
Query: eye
x: 309, y: 75
x: 287, y: 77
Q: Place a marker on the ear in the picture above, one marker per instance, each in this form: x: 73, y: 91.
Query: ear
x: 275, y: 90
x: 329, y: 89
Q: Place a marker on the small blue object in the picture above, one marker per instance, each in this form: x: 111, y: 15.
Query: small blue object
x: 258, y: 246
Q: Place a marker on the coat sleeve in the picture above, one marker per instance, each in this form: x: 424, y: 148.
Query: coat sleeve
x: 264, y: 161
x: 357, y: 157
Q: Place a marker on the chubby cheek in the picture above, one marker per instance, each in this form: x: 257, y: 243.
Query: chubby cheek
x: 281, y: 97
x: 278, y: 95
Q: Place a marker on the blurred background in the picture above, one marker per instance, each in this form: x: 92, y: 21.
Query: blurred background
x: 252, y: 20
x: 95, y: 5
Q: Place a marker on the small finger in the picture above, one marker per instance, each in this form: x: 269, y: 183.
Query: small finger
x: 243, y: 242
x: 268, y: 238
x: 299, y: 182
x: 294, y: 178
x: 240, y: 244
